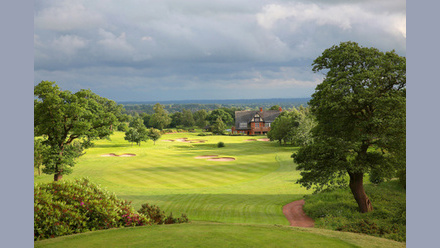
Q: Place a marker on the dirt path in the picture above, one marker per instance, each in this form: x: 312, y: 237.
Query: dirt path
x: 295, y: 214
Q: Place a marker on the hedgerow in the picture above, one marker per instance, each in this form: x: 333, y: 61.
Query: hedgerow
x: 68, y: 207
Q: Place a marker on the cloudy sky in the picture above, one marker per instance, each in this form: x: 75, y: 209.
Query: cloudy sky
x: 140, y: 50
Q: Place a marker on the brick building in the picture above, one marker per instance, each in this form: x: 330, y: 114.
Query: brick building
x: 254, y: 122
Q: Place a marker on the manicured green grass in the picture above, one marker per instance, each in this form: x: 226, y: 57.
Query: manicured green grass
x: 251, y: 189
x: 216, y: 235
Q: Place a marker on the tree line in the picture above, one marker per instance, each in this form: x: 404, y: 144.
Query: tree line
x: 355, y: 123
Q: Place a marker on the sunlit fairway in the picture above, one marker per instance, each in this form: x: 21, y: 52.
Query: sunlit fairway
x: 251, y: 189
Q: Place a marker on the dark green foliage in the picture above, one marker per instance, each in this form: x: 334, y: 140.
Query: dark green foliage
x: 62, y: 118
x: 154, y: 134
x: 39, y: 152
x: 187, y: 118
x: 222, y: 114
x: 122, y: 127
x: 376, y: 176
x: 137, y: 131
x: 160, y: 118
x: 68, y: 207
x: 200, y: 118
x: 218, y: 127
x: 158, y: 216
x: 360, y: 113
x: 220, y: 144
x: 335, y: 210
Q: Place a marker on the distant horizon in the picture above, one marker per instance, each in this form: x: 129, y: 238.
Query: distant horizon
x: 284, y: 99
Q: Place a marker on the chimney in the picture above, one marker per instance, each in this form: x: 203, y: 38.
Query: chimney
x: 280, y: 109
x: 261, y: 109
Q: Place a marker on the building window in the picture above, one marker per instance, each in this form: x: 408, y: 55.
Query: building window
x: 243, y: 125
x: 267, y: 124
x: 257, y: 124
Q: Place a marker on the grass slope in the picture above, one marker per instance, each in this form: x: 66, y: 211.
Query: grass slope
x: 216, y: 235
x: 251, y: 189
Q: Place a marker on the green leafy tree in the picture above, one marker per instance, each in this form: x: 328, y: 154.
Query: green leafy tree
x: 275, y: 107
x: 200, y: 118
x: 62, y: 118
x: 187, y: 118
x: 160, y: 118
x: 218, y: 127
x: 360, y: 114
x: 284, y: 126
x: 154, y: 134
x: 176, y: 119
x: 215, y: 114
x: 39, y: 152
x: 137, y: 131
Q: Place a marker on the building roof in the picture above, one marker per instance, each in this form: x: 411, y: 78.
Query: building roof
x: 246, y: 116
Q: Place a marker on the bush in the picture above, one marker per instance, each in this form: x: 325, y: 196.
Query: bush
x: 159, y: 217
x: 337, y: 210
x: 68, y: 207
x: 220, y: 144
x: 376, y: 177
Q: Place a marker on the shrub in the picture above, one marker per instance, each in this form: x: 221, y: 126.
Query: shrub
x: 159, y: 217
x: 220, y: 144
x: 376, y: 177
x: 67, y: 207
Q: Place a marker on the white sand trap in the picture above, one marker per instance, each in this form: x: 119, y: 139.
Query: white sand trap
x: 221, y: 159
x: 122, y: 155
x: 206, y: 156
x: 263, y: 140
x: 182, y: 140
x: 127, y: 155
x: 109, y: 155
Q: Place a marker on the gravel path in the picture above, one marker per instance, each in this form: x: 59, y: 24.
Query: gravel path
x: 295, y: 214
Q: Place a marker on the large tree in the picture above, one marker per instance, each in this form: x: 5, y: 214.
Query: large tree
x: 187, y: 118
x: 360, y: 113
x: 200, y: 118
x: 69, y: 122
x: 224, y: 116
x: 160, y: 118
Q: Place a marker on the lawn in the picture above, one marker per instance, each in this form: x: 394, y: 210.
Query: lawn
x: 217, y: 235
x: 252, y: 189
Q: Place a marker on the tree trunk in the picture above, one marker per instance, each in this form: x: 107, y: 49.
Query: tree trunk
x: 357, y: 188
x: 57, y: 176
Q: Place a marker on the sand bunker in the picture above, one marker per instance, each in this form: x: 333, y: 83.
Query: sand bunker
x: 263, y: 139
x: 127, y: 155
x: 221, y: 159
x: 122, y: 155
x: 206, y: 156
x: 186, y: 140
x: 109, y: 155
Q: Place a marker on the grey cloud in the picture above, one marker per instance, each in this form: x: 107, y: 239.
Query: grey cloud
x: 173, y: 45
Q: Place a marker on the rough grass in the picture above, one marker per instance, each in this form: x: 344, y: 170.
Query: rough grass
x: 217, y: 235
x: 337, y: 210
x: 251, y: 189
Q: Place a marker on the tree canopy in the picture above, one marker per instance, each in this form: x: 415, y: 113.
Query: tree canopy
x: 360, y: 112
x: 215, y: 114
x: 69, y: 122
x: 160, y: 118
x: 137, y: 131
